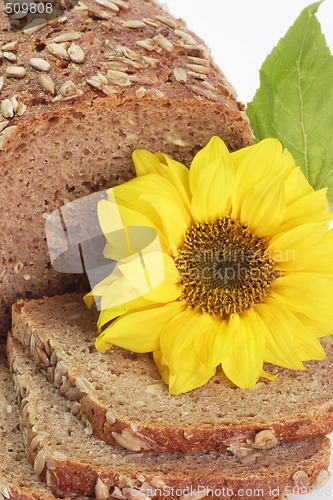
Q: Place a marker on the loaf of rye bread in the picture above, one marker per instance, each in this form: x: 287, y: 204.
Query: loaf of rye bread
x: 128, y: 405
x: 77, y: 97
x: 69, y: 458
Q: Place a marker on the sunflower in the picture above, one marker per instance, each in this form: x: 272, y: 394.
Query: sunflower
x: 227, y: 263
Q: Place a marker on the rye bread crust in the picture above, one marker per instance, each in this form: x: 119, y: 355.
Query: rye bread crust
x: 61, y: 329
x: 69, y: 125
x: 69, y: 458
x: 17, y: 478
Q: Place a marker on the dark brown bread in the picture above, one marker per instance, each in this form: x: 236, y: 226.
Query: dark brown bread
x: 72, y: 112
x: 128, y: 405
x: 63, y: 451
x: 17, y: 478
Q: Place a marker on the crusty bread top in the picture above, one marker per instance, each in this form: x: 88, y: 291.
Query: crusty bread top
x: 96, y: 52
x: 124, y: 390
x: 77, y: 460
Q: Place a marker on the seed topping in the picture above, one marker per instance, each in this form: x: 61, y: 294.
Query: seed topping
x: 39, y: 64
x: 15, y: 72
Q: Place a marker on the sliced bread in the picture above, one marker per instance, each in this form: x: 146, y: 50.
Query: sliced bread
x: 64, y: 452
x: 18, y: 480
x: 128, y: 405
x: 78, y: 95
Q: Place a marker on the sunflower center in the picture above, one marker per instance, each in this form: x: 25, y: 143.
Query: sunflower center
x: 225, y: 268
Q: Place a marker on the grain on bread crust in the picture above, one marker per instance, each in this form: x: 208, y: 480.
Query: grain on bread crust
x: 77, y: 97
x: 18, y: 480
x: 59, y: 334
x: 69, y: 458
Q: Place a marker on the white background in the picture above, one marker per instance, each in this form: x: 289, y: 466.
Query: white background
x: 240, y: 34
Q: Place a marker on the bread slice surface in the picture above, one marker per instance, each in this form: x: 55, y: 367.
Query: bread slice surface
x: 145, y: 81
x: 18, y: 480
x: 64, y: 451
x: 123, y: 396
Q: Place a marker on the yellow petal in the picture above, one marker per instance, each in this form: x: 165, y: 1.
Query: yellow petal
x: 314, y: 257
x: 139, y: 331
x: 311, y: 208
x: 213, y: 198
x: 181, y: 332
x: 146, y: 162
x: 307, y: 294
x: 280, y: 347
x: 254, y: 164
x: 216, y: 344
x: 107, y: 315
x: 245, y: 363
x: 178, y: 175
x: 296, y: 186
x: 158, y: 186
x: 127, y: 231
x: 181, y: 343
x: 263, y: 206
x: 268, y: 375
x: 168, y: 212
x: 190, y: 374
x: 289, y: 246
x: 215, y: 150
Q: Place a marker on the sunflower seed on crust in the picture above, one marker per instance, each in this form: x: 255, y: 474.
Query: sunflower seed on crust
x: 321, y: 479
x: 39, y: 64
x: 167, y: 21
x: 46, y: 82
x: 10, y: 56
x: 199, y: 68
x: 6, y: 108
x: 57, y: 50
x: 15, y: 72
x: 265, y: 440
x: 301, y: 479
x: 3, y: 125
x: 108, y: 4
x: 141, y: 92
x: 67, y: 37
x: 180, y: 75
x: 11, y: 46
x: 186, y: 37
x: 163, y: 42
x: 39, y: 462
x: 102, y: 491
x: 110, y: 417
x: 4, y: 490
x: 121, y: 4
x: 119, y: 78
x: 2, y: 81
x: 75, y: 53
x: 134, y: 24
x: 127, y: 440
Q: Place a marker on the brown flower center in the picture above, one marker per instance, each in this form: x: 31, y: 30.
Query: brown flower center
x: 224, y: 267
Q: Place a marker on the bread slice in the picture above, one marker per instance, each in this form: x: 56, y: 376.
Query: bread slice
x: 126, y: 402
x: 64, y: 452
x: 18, y: 480
x: 85, y: 91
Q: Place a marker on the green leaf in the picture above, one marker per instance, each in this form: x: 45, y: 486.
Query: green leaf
x: 295, y: 100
